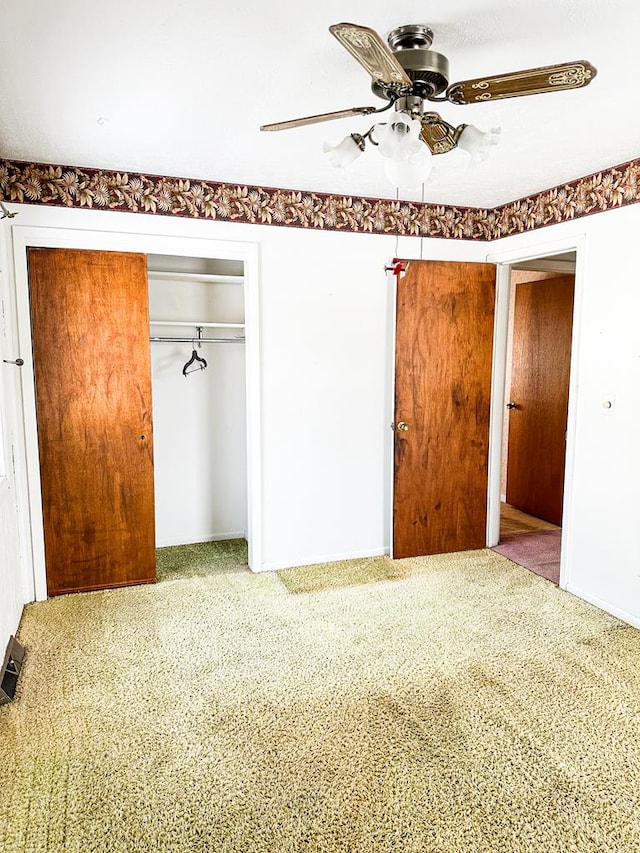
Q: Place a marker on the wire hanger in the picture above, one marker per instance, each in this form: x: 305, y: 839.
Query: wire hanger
x: 195, y: 359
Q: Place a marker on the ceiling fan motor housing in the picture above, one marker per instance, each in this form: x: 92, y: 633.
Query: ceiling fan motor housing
x: 427, y: 69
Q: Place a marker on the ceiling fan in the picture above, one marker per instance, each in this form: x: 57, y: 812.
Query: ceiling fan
x: 406, y: 74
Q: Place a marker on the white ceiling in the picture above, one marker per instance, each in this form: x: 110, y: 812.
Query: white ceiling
x: 180, y: 87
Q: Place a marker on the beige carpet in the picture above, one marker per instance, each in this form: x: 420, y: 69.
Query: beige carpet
x: 321, y: 576
x: 200, y: 558
x: 470, y: 708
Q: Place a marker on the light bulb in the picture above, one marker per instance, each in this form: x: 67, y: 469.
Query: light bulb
x: 478, y: 143
x: 399, y: 138
x: 345, y: 152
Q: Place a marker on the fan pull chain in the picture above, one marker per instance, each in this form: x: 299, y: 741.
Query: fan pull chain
x: 422, y: 237
x: 397, y: 235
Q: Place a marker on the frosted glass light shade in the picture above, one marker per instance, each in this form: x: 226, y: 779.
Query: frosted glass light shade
x: 412, y: 172
x: 399, y: 138
x: 344, y: 153
x: 478, y: 143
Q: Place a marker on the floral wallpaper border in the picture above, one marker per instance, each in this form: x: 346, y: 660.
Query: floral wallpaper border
x: 103, y: 189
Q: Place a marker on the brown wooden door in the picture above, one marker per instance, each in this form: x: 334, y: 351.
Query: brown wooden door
x: 444, y: 342
x: 93, y: 395
x: 543, y: 320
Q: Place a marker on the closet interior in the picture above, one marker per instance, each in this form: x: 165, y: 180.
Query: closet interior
x: 140, y: 390
x: 198, y: 379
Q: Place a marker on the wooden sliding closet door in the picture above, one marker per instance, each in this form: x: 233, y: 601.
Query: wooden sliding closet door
x: 93, y: 395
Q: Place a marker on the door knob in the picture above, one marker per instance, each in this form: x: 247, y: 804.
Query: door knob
x: 402, y: 426
x: 512, y: 405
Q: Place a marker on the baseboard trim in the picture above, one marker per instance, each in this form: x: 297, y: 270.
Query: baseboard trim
x: 618, y: 612
x: 323, y: 558
x: 213, y: 537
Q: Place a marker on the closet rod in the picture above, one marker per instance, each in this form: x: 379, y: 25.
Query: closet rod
x: 196, y: 324
x: 199, y: 340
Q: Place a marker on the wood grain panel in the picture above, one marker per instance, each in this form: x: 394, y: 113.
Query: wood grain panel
x: 93, y: 395
x: 444, y: 340
x: 533, y: 81
x: 542, y: 328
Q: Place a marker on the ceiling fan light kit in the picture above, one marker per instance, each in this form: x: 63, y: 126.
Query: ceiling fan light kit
x: 409, y: 173
x: 478, y: 143
x: 406, y: 74
x: 344, y: 153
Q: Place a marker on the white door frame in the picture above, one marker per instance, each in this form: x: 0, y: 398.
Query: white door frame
x: 25, y: 237
x: 504, y: 262
x: 14, y: 529
x: 390, y: 446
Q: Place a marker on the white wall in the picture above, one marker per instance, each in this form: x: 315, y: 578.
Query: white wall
x: 324, y: 338
x: 325, y: 401
x: 199, y: 420
x: 601, y: 538
x: 327, y: 408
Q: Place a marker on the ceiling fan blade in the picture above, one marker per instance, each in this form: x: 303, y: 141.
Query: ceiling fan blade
x: 299, y: 122
x: 551, y: 78
x: 372, y: 53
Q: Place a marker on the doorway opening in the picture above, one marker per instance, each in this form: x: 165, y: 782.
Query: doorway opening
x: 536, y: 396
